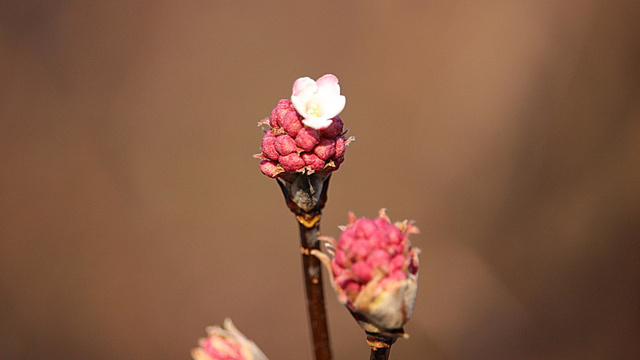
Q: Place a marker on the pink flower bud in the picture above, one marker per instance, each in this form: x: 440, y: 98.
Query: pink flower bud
x: 335, y: 129
x: 291, y: 123
x: 307, y: 138
x: 325, y: 149
x: 277, y: 114
x: 226, y: 343
x: 269, y: 146
x: 379, y: 258
x: 365, y: 228
x: 360, y: 249
x: 340, y: 147
x: 340, y: 260
x: 292, y: 162
x: 312, y: 161
x: 285, y: 145
x: 336, y: 269
x: 362, y: 271
x: 374, y: 271
x: 347, y: 238
x: 270, y: 168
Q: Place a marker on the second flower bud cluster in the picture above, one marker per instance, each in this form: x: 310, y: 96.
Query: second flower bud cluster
x: 374, y: 270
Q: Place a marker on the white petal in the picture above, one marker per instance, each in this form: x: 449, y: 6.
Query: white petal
x: 317, y: 123
x: 299, y: 103
x: 317, y: 101
x: 334, y: 106
x: 328, y: 84
x: 304, y: 85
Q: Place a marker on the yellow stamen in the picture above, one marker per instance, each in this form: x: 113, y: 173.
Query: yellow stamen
x: 313, y: 110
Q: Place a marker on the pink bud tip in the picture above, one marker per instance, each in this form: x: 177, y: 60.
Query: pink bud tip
x: 313, y: 162
x: 335, y: 129
x: 340, y: 147
x: 291, y: 123
x: 270, y: 168
x: 325, y: 149
x: 269, y: 146
x: 307, y: 138
x: 278, y: 113
x: 285, y: 145
x: 363, y: 271
x: 291, y: 162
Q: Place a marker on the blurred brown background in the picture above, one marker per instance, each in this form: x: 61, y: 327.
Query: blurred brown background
x: 132, y: 214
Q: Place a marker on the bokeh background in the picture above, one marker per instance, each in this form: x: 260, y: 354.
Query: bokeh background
x: 132, y: 214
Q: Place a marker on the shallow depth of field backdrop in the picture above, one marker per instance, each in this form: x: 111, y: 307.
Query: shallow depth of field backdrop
x: 132, y: 214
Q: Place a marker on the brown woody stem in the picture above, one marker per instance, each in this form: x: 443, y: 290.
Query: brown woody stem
x: 315, y: 292
x: 306, y: 196
x: 380, y: 346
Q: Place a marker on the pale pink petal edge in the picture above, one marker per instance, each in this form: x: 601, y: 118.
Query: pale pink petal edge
x: 317, y: 123
x: 328, y: 84
x: 304, y: 85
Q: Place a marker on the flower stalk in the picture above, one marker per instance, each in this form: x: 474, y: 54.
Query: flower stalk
x: 315, y: 292
x: 305, y: 196
x: 380, y: 345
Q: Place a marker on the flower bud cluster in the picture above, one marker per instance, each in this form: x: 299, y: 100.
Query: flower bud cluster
x: 291, y: 147
x: 374, y: 270
x: 226, y: 344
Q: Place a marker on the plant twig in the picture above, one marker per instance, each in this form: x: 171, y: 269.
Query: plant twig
x: 380, y: 345
x: 305, y: 196
x: 315, y: 292
x: 380, y: 354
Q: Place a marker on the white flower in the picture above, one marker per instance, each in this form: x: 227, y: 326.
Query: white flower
x: 318, y: 101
